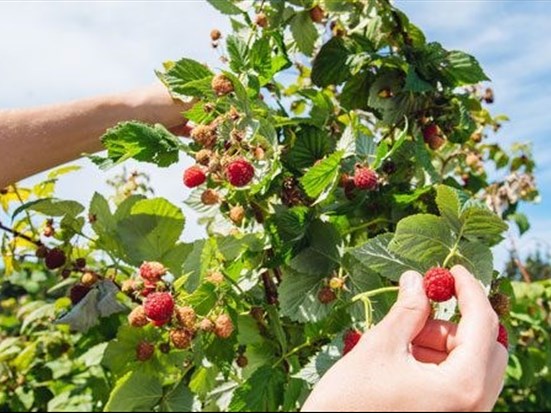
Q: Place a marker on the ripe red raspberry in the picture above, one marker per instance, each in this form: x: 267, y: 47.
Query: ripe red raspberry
x: 152, y: 271
x: 326, y: 295
x: 194, y: 176
x: 78, y: 292
x: 239, y: 172
x: 221, y: 85
x: 365, y: 178
x: 223, y: 326
x: 432, y: 136
x: 439, y: 284
x: 186, y: 317
x: 159, y: 307
x: 503, y: 336
x: 181, y: 338
x: 137, y: 317
x: 351, y: 338
x: 144, y: 351
x: 317, y: 14
x: 55, y: 258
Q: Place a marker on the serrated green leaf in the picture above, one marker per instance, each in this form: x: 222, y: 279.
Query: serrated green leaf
x: 203, y: 380
x: 449, y: 206
x: 146, y: 143
x: 237, y: 51
x: 136, y: 391
x: 376, y: 255
x: 482, y: 224
x: 463, y: 69
x: 311, y: 145
x: 414, y: 83
x: 330, y: 64
x: 298, y: 296
x: 304, y: 32
x: 355, y: 93
x: 320, y: 363
x: 292, y: 223
x: 323, y: 176
x: 187, y: 77
x: 424, y: 238
x: 180, y: 399
x: 225, y: 7
x: 262, y: 392
x: 151, y: 230
x: 477, y: 258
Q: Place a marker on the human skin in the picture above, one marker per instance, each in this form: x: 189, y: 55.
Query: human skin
x: 409, y: 362
x: 35, y: 139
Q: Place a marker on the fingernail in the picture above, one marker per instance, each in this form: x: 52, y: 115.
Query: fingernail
x: 410, y: 281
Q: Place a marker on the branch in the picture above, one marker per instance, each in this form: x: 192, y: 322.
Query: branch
x: 20, y: 235
x: 269, y: 288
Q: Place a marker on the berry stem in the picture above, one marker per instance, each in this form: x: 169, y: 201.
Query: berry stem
x: 292, y: 352
x: 373, y: 293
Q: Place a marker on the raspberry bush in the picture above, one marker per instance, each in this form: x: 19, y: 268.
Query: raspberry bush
x: 335, y: 149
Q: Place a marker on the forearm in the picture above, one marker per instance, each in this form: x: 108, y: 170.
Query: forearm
x: 36, y: 139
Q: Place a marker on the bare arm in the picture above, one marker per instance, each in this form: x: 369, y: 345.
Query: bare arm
x: 36, y: 139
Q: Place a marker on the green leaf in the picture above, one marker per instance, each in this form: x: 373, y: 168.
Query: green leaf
x: 182, y: 76
x: 355, y: 92
x: 479, y: 223
x: 292, y: 223
x: 323, y: 176
x: 139, y: 141
x: 56, y: 208
x: 330, y: 64
x: 311, y: 145
x: 298, y: 295
x: 414, y: 83
x: 225, y: 7
x: 262, y: 392
x: 237, y: 51
x: 449, y: 206
x: 151, y: 229
x: 304, y: 32
x: 320, y: 363
x: 521, y: 220
x: 423, y: 238
x: 180, y: 399
x: 463, y: 69
x: 376, y: 255
x: 203, y: 380
x: 477, y: 258
x: 136, y: 391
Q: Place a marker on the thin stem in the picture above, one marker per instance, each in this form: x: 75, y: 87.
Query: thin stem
x: 18, y: 195
x: 373, y: 293
x: 20, y: 235
x: 379, y: 220
x: 292, y: 352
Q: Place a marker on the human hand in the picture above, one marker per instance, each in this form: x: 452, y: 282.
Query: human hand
x: 410, y: 363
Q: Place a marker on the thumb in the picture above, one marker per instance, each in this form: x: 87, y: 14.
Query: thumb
x: 408, y: 316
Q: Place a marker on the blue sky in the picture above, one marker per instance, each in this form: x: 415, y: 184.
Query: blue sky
x: 58, y: 51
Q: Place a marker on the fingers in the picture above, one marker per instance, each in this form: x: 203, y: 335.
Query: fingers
x: 437, y: 335
x: 496, y: 376
x: 408, y: 316
x: 477, y: 331
x: 428, y: 355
